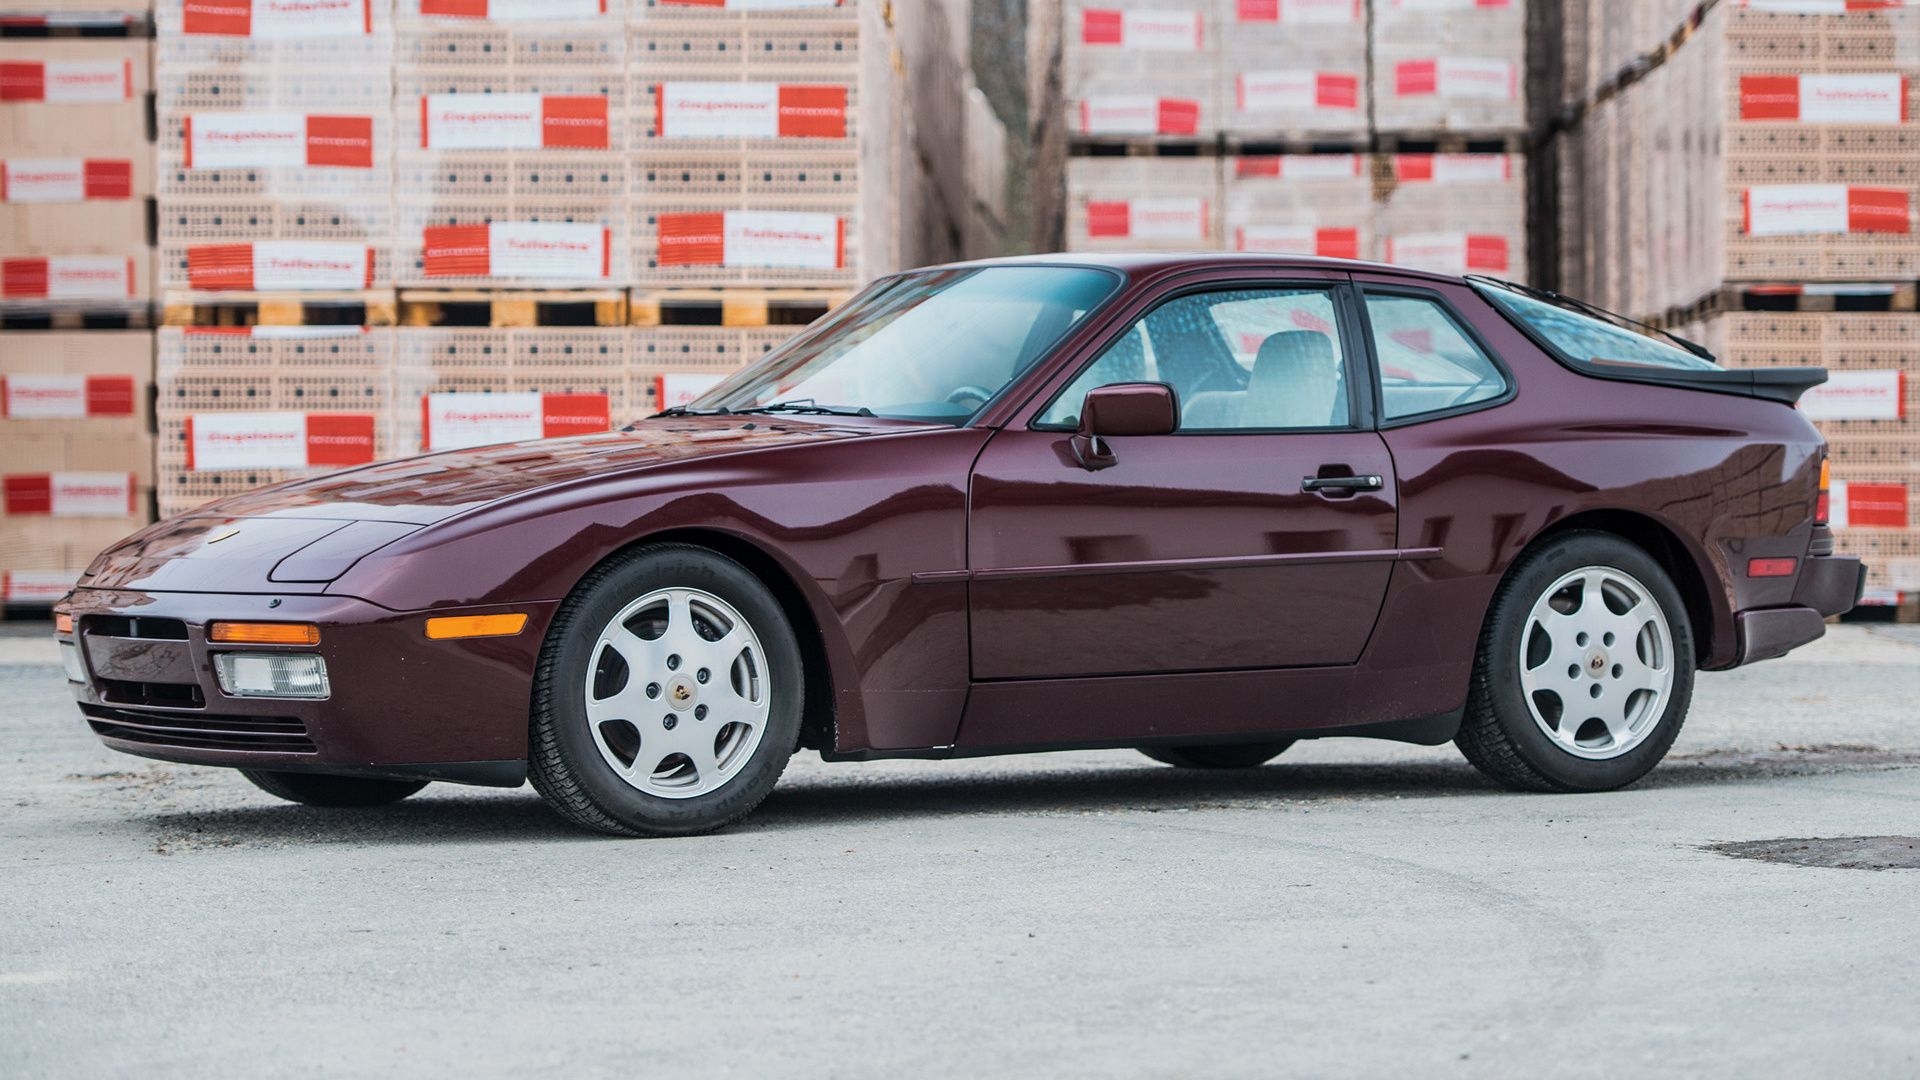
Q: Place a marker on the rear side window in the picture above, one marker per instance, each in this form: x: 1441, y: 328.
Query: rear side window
x: 1427, y: 363
x: 1585, y: 339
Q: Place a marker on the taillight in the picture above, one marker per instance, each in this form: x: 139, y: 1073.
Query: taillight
x: 1824, y: 502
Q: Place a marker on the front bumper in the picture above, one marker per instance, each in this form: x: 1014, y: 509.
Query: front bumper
x: 1828, y: 585
x: 400, y: 704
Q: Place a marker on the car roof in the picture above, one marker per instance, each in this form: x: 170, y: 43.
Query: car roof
x: 1142, y: 264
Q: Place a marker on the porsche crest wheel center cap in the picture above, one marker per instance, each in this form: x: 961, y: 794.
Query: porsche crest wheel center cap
x: 680, y: 693
x: 1596, y: 663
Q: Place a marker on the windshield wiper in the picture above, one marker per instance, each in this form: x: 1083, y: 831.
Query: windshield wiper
x: 808, y: 405
x: 684, y: 410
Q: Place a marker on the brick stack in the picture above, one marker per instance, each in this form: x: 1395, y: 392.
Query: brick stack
x: 275, y: 168
x: 1752, y: 181
x: 76, y: 280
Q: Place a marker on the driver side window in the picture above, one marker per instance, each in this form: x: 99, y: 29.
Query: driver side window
x: 1237, y: 360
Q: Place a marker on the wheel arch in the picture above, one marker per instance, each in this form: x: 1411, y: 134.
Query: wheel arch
x: 1665, y: 545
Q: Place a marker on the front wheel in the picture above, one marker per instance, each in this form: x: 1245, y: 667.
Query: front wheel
x: 320, y: 789
x: 1585, y: 669
x: 668, y: 695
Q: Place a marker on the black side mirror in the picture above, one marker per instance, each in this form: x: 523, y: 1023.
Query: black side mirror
x: 1121, y: 409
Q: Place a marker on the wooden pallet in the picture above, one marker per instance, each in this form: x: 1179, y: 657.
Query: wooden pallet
x: 1280, y: 145
x: 373, y: 307
x: 1806, y: 298
x: 733, y: 307
x: 139, y: 317
x: 1452, y: 142
x: 1143, y: 146
x: 89, y: 24
x: 513, y: 307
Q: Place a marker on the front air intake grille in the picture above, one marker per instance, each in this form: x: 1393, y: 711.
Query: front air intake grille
x: 271, y: 734
x: 138, y: 626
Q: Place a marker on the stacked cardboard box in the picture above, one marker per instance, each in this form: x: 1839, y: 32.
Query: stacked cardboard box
x: 1316, y: 204
x: 1143, y: 203
x: 275, y: 145
x: 463, y: 387
x: 1141, y: 69
x: 511, y: 123
x: 75, y: 175
x: 1292, y: 69
x: 1455, y: 213
x: 1450, y: 65
x: 76, y: 455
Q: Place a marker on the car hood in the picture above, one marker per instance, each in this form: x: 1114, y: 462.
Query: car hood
x: 300, y: 535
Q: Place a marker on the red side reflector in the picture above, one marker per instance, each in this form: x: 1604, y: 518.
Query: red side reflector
x: 1771, y: 567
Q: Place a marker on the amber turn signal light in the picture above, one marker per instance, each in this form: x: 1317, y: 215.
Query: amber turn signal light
x: 263, y: 633
x: 471, y: 626
x: 63, y: 624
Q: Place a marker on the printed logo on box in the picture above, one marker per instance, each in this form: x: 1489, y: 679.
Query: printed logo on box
x: 1449, y: 5
x: 1293, y: 12
x: 514, y: 122
x: 1466, y: 78
x: 68, y: 277
x: 66, y: 82
x: 1867, y: 506
x: 267, y: 265
x: 1305, y: 167
x: 463, y: 420
x: 71, y: 494
x: 754, y: 5
x: 1155, y: 31
x: 753, y: 238
x: 65, y: 397
x: 277, y: 18
x: 1820, y: 7
x: 514, y: 10
x: 36, y: 586
x: 518, y: 249
x: 1139, y: 114
x: 702, y: 110
x: 1824, y: 99
x: 65, y: 180
x: 1167, y: 217
x: 1452, y: 168
x: 1824, y: 209
x: 1332, y: 243
x: 1260, y: 91
x: 1857, y: 395
x: 1449, y: 252
x: 675, y: 388
x: 226, y: 140
x: 278, y: 440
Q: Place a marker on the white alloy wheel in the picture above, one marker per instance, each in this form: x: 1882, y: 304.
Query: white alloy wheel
x: 677, y: 693
x: 1596, y: 662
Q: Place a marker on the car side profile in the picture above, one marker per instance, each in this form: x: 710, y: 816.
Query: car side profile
x: 1204, y: 506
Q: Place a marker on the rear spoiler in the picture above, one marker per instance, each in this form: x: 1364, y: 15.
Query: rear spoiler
x: 1783, y: 384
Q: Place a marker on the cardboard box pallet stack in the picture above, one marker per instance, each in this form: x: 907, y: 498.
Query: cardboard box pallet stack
x: 76, y: 279
x: 1754, y: 186
x: 1372, y: 129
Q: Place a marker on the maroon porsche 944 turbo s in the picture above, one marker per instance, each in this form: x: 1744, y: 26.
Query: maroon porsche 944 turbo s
x: 1203, y: 506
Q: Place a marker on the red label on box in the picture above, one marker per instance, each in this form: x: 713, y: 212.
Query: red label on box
x: 68, y: 277
x: 1878, y: 210
x: 66, y: 81
x: 1824, y: 99
x: 518, y: 249
x: 279, y: 264
x: 336, y: 439
x: 753, y: 238
x: 65, y: 397
x: 814, y: 112
x: 341, y: 141
x: 575, y: 123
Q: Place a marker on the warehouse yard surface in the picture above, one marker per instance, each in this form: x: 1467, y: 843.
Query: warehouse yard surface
x: 1352, y: 909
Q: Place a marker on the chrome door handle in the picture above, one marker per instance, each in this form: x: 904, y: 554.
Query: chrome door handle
x: 1342, y: 483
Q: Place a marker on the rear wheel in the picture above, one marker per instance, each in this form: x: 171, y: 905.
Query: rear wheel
x: 1228, y: 756
x: 668, y: 696
x: 1585, y: 669
x: 319, y: 789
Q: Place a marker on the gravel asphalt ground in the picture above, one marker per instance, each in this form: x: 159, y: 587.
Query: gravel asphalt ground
x: 1353, y: 909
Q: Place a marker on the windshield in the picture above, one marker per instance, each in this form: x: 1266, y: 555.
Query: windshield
x: 935, y: 345
x: 1576, y: 332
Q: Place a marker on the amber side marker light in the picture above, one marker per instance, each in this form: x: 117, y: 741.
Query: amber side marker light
x: 1823, y: 504
x: 63, y: 624
x: 471, y: 626
x: 1771, y: 567
x: 263, y: 633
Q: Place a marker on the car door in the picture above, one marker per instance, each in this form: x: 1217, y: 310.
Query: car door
x: 1260, y: 534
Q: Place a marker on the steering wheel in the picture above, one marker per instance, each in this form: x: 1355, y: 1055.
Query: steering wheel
x: 979, y: 394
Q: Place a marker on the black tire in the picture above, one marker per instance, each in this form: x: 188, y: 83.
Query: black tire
x: 564, y: 763
x: 1223, y: 756
x: 320, y: 789
x: 1498, y: 733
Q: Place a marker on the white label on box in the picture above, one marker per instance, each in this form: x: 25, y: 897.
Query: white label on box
x: 1857, y: 395
x: 544, y: 249
x: 695, y: 110
x: 43, y: 180
x: 1449, y: 5
x: 43, y: 397
x: 685, y: 387
x: 1298, y: 88
x: 1818, y: 7
x: 1450, y: 252
x: 1824, y: 99
x: 1452, y: 168
x: 294, y: 264
x: 515, y: 10
x: 752, y: 5
x: 277, y: 18
x: 1297, y: 12
x: 1281, y: 239
x: 1120, y: 114
x: 262, y: 440
x: 777, y: 239
x: 92, y: 494
x: 36, y: 586
x: 1167, y: 217
x: 459, y: 421
x: 76, y: 82
x: 1147, y: 30
x: 226, y: 140
x: 1473, y: 78
x: 89, y: 277
x: 482, y: 122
